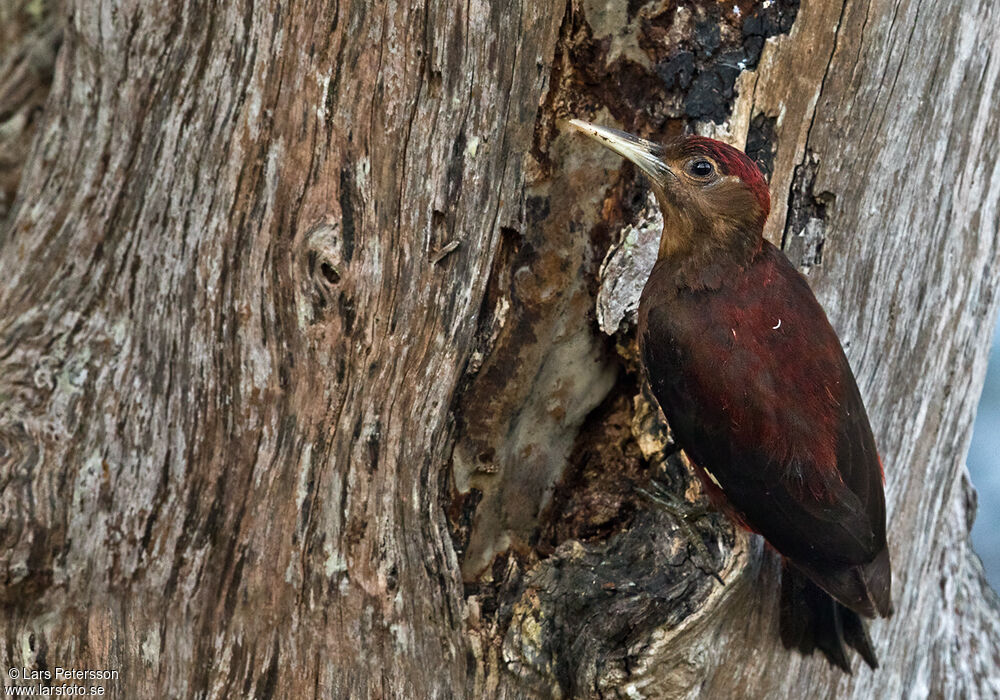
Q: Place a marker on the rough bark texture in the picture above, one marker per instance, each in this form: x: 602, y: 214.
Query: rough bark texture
x: 228, y: 357
x: 313, y: 383
x: 30, y: 32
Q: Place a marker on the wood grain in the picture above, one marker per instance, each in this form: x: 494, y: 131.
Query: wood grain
x: 227, y: 358
x: 299, y: 367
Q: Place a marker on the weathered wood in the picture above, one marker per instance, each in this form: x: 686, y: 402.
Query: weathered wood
x: 297, y: 331
x: 30, y: 32
x: 227, y: 357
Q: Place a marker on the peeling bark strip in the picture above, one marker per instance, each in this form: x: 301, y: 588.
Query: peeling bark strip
x: 240, y: 388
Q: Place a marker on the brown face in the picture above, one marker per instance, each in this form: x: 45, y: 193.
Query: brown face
x: 712, y: 196
x: 715, y: 198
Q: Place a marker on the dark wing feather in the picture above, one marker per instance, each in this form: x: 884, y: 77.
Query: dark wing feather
x: 753, y: 380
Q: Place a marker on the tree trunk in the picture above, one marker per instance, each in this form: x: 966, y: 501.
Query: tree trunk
x: 313, y: 381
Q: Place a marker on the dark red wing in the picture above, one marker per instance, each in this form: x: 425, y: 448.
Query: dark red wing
x: 753, y: 380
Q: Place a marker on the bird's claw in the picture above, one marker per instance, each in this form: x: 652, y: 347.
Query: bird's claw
x: 672, y: 503
x: 684, y: 513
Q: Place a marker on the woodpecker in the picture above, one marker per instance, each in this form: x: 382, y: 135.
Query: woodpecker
x: 755, y: 385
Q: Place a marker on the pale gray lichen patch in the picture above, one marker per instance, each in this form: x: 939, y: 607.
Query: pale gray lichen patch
x: 626, y: 268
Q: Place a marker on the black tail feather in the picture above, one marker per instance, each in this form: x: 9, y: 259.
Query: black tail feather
x: 810, y: 619
x: 856, y: 635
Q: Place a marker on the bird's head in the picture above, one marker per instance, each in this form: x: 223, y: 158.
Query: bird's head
x: 713, y: 197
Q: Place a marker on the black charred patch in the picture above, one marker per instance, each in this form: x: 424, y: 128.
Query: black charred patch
x: 696, y: 49
x: 767, y: 20
x: 805, y: 226
x: 708, y: 97
x: 727, y: 39
x: 678, y: 71
x: 498, y: 592
x: 707, y: 37
x: 589, y: 604
x: 762, y: 143
x: 771, y: 18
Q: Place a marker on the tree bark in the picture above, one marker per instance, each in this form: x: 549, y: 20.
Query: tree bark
x: 313, y: 382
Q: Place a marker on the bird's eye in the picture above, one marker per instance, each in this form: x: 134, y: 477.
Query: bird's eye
x: 699, y: 167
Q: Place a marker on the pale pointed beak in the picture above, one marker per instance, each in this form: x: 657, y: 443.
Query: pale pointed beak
x: 645, y: 154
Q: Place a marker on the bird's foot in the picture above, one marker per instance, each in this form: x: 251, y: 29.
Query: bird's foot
x: 672, y: 503
x: 685, y: 513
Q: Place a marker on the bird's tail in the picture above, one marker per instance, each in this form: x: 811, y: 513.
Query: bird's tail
x: 811, y: 619
x: 864, y: 588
